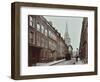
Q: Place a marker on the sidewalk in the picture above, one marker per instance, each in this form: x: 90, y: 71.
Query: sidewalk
x: 79, y: 62
x: 73, y: 62
x: 50, y: 63
x: 61, y: 62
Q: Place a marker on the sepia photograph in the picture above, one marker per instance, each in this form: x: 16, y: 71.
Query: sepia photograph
x: 57, y: 40
x: 50, y: 40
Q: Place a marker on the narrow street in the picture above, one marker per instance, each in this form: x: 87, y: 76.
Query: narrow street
x: 61, y: 62
x: 69, y: 62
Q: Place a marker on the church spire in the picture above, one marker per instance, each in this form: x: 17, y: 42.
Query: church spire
x: 67, y: 38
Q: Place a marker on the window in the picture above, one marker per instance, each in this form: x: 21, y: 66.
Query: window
x: 42, y: 29
x: 30, y: 21
x: 55, y: 45
x: 42, y: 42
x: 31, y: 37
x: 38, y: 27
x: 38, y: 40
x: 52, y: 35
x: 51, y: 45
x: 45, y: 32
x: 46, y: 43
x: 49, y: 33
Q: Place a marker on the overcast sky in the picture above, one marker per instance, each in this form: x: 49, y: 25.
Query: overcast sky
x: 74, y: 25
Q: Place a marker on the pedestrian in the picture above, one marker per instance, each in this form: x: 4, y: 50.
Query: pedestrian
x: 77, y: 55
x: 76, y: 58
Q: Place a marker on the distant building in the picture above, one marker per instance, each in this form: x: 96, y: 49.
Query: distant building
x: 66, y: 37
x: 83, y: 48
x: 68, y: 43
x: 45, y: 43
x: 70, y: 50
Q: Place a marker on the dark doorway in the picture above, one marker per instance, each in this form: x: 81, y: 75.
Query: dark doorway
x: 33, y: 55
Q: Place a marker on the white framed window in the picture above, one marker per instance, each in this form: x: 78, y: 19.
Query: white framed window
x: 45, y: 32
x: 38, y: 27
x: 42, y: 29
x: 30, y: 21
x: 49, y: 33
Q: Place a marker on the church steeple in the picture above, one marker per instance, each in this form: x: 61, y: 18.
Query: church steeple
x: 67, y: 38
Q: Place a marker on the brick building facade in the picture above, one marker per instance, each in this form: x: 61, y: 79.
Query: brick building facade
x: 45, y: 43
x: 83, y: 49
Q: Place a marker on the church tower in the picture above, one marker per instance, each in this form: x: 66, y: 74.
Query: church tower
x: 66, y: 37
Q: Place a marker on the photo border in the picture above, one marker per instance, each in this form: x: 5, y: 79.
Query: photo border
x: 15, y: 40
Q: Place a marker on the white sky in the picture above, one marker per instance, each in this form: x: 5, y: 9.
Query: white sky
x: 74, y: 25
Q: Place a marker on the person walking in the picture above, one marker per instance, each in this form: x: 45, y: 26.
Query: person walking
x: 77, y: 54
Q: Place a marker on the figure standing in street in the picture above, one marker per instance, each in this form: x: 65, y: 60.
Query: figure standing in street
x: 77, y: 55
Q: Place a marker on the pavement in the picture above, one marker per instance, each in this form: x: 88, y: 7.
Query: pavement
x: 61, y: 62
x: 50, y: 63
